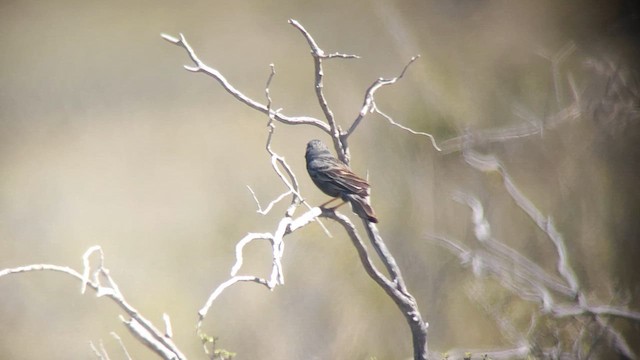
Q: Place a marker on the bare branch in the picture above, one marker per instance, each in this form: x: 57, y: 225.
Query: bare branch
x: 271, y: 204
x: 242, y: 243
x: 318, y: 55
x: 87, y: 265
x: 315, y: 49
x: 291, y: 183
x: 155, y: 339
x: 306, y: 218
x: 168, y: 329
x: 370, y: 105
x: 46, y: 267
x: 385, y: 255
x: 369, y: 102
x: 203, y: 68
x: 286, y: 226
x: 150, y: 340
x: 408, y: 129
x: 361, y: 248
x: 278, y: 161
x: 396, y: 289
x: 235, y: 279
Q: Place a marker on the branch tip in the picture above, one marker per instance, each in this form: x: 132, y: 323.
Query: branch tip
x: 170, y: 38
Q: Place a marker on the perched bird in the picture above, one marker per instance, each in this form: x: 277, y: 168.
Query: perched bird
x: 336, y: 179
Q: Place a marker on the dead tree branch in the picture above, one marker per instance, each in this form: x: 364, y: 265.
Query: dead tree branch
x: 101, y: 281
x: 395, y: 288
x: 318, y: 55
x: 203, y: 68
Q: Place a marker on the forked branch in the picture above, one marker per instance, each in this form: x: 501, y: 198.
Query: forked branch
x: 394, y: 287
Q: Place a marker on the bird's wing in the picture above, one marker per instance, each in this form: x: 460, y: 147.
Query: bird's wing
x: 348, y: 181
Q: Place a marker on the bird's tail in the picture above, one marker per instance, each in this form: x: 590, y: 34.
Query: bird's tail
x: 362, y: 207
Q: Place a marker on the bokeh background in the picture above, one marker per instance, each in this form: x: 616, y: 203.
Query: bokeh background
x: 106, y: 140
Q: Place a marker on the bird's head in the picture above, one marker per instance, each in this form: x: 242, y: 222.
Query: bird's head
x: 316, y: 149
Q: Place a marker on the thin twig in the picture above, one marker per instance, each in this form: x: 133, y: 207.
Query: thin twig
x: 100, y: 354
x: 368, y: 104
x: 408, y: 129
x: 278, y: 162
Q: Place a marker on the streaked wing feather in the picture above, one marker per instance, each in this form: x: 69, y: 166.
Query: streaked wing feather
x: 352, y: 182
x: 343, y: 179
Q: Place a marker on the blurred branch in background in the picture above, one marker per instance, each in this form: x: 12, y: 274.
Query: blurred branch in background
x: 534, y: 125
x: 102, y: 353
x: 570, y: 322
x: 532, y: 283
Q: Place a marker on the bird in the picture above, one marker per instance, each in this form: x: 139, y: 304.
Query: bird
x: 336, y: 179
